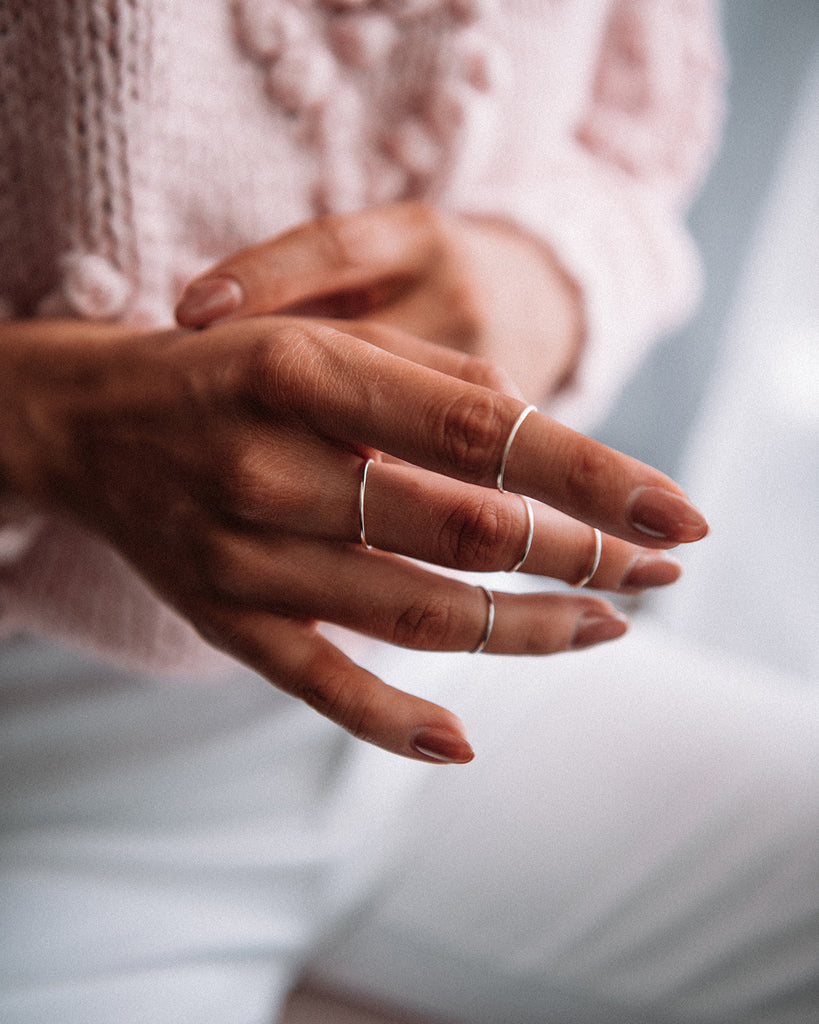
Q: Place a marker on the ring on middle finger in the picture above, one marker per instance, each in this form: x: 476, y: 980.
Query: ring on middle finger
x: 530, y: 520
x: 508, y: 446
x: 362, y: 487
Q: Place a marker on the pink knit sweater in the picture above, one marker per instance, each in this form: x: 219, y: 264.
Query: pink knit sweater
x: 141, y: 140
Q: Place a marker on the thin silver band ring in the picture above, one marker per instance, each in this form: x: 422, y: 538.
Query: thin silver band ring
x: 490, y: 620
x: 361, y: 489
x: 598, y: 551
x: 515, y: 428
x: 530, y: 517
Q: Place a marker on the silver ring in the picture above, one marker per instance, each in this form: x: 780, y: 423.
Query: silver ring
x: 490, y: 621
x: 361, y: 489
x: 515, y: 428
x: 530, y: 516
x: 598, y: 551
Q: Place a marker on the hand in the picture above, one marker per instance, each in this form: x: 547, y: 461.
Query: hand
x: 225, y: 465
x: 480, y: 286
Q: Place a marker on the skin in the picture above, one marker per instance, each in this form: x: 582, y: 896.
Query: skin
x: 223, y: 459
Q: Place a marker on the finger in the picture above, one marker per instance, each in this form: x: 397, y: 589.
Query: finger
x: 454, y: 363
x: 461, y: 430
x: 299, y: 660
x: 429, y: 517
x: 434, y: 519
x: 400, y: 602
x: 337, y: 253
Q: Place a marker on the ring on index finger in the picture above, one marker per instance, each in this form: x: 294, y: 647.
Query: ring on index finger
x: 508, y: 446
x: 530, y: 520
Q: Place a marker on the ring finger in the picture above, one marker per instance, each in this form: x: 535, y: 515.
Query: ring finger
x: 438, y: 520
x: 392, y: 599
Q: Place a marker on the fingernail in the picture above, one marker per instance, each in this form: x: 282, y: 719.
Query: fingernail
x: 207, y: 300
x: 594, y: 628
x: 651, y: 570
x: 663, y: 514
x: 441, y: 747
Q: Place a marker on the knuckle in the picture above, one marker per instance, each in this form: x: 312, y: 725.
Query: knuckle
x: 240, y: 480
x: 329, y: 688
x: 426, y: 624
x: 220, y: 627
x: 471, y: 430
x: 275, y: 363
x: 253, y: 484
x: 340, y: 239
x: 295, y: 367
x: 219, y: 567
x: 478, y: 535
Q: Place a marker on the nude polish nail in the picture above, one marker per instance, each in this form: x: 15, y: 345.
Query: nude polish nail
x: 441, y: 746
x: 594, y: 628
x: 207, y: 300
x: 659, y: 513
x: 651, y: 570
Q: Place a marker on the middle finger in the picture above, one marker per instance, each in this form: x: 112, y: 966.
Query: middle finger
x: 461, y: 430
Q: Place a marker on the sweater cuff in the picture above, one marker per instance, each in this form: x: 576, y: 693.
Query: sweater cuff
x: 637, y: 270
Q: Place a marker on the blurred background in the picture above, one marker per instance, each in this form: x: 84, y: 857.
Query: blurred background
x: 730, y: 405
x: 771, y: 47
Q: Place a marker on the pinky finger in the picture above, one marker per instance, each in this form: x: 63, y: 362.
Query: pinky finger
x: 299, y: 660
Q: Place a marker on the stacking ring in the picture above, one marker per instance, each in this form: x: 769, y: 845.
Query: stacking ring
x: 598, y: 551
x: 490, y: 621
x: 530, y: 516
x: 361, y: 489
x: 515, y: 428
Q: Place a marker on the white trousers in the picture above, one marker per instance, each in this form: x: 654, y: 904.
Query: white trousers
x: 637, y: 840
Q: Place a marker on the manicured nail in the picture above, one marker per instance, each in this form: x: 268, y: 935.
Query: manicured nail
x: 651, y: 570
x: 595, y: 628
x: 441, y: 747
x: 664, y: 514
x: 207, y: 300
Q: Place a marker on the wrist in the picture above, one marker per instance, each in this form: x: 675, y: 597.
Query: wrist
x: 544, y: 322
x: 44, y: 367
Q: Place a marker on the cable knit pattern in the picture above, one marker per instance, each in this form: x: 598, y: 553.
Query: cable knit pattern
x: 324, y: 66
x: 76, y: 72
x: 143, y: 139
x: 653, y: 89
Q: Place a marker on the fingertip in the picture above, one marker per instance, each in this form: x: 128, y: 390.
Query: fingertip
x: 651, y: 569
x: 208, y: 299
x: 598, y: 626
x: 664, y: 515
x: 440, y: 746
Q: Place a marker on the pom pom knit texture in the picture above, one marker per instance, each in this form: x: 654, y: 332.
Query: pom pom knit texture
x: 144, y: 139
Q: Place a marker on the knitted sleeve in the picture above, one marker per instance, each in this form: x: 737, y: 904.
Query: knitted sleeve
x: 607, y: 193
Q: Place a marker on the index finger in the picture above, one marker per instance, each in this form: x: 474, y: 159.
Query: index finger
x: 314, y: 260
x: 459, y: 429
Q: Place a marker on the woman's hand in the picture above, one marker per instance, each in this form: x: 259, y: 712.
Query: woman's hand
x: 476, y: 285
x: 226, y: 463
